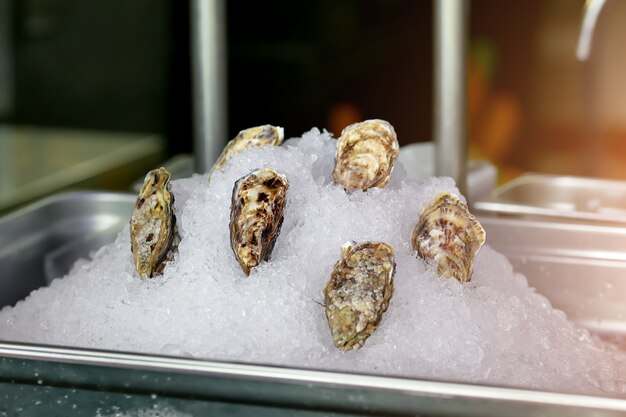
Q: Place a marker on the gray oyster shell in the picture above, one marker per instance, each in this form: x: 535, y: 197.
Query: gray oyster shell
x: 358, y: 292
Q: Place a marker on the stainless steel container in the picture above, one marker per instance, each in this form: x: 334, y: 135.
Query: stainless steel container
x: 579, y: 267
x: 86, y: 382
x: 42, y: 241
x: 555, y: 197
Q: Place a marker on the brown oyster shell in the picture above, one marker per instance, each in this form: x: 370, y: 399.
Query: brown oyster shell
x: 366, y: 154
x: 266, y: 135
x: 256, y: 216
x: 358, y: 292
x: 153, y: 231
x: 450, y: 235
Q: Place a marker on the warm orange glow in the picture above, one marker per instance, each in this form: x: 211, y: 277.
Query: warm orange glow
x: 342, y: 115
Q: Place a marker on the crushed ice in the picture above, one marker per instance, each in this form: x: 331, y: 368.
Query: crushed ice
x: 494, y: 330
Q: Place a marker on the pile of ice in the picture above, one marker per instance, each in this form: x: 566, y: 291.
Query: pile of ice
x: 493, y: 330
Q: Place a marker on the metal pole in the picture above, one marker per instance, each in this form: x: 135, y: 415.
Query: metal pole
x: 591, y: 129
x: 450, y: 97
x: 208, y: 53
x: 591, y: 12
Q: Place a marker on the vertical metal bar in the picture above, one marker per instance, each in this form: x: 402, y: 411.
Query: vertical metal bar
x: 591, y: 11
x: 208, y: 53
x: 450, y: 96
x: 591, y: 128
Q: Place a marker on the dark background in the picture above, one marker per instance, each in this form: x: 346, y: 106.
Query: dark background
x: 122, y: 65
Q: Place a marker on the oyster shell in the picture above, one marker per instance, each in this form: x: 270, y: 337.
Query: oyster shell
x: 256, y: 215
x: 153, y: 230
x: 449, y: 234
x: 358, y: 292
x: 366, y: 154
x: 266, y: 135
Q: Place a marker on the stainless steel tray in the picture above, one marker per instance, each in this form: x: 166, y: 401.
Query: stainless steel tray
x: 83, y: 382
x: 559, y: 197
x: 579, y: 267
x: 92, y: 378
x: 42, y: 241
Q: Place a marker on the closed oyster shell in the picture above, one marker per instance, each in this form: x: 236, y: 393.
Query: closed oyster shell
x: 449, y: 234
x: 153, y: 231
x: 256, y: 216
x: 366, y: 154
x: 358, y: 292
x: 266, y: 135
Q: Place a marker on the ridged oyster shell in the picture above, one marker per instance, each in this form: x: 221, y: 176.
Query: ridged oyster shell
x: 153, y: 230
x: 266, y: 135
x: 358, y: 292
x: 366, y: 154
x: 449, y: 234
x: 256, y: 216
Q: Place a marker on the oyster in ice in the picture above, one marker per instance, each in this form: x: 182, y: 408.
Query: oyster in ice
x: 358, y: 292
x: 256, y: 215
x: 265, y: 135
x: 153, y: 230
x: 449, y: 234
x: 366, y: 154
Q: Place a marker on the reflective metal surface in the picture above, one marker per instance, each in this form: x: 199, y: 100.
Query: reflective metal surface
x: 591, y: 12
x: 555, y: 197
x: 208, y: 53
x: 579, y: 268
x: 42, y: 241
x: 450, y: 20
x: 284, y: 388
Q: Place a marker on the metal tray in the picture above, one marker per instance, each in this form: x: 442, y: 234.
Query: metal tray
x: 559, y: 197
x: 42, y: 241
x: 86, y: 382
x: 579, y: 267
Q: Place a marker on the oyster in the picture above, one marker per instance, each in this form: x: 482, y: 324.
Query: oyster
x: 153, y: 230
x: 256, y: 215
x: 366, y: 154
x: 358, y: 292
x: 449, y: 234
x: 266, y: 135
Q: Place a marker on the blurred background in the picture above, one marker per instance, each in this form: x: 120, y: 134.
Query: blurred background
x: 92, y: 94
